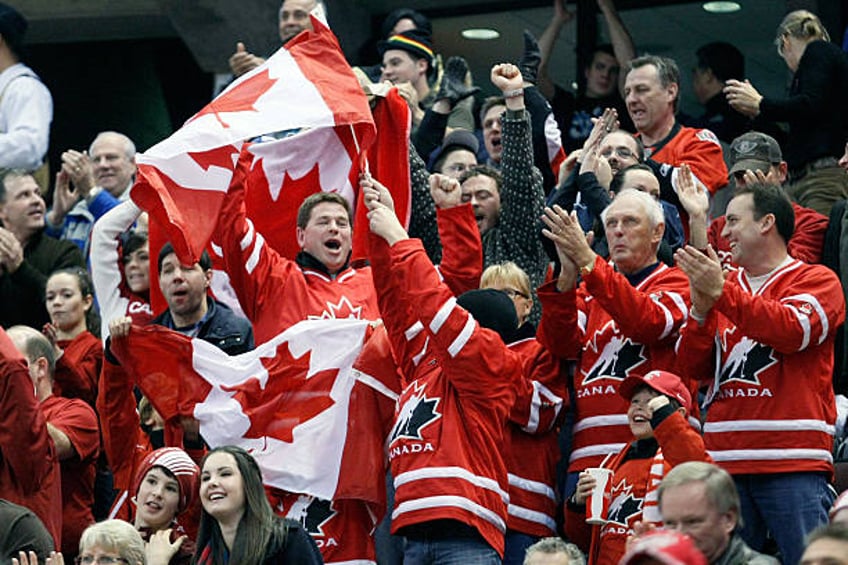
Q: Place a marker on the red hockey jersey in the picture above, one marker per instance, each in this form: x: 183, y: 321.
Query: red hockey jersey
x: 532, y: 447
x: 446, y: 445
x: 29, y: 467
x: 629, y: 487
x: 622, y: 330
x: 698, y: 148
x: 275, y: 293
x: 771, y: 403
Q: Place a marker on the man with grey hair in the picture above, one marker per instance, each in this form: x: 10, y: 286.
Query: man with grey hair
x: 293, y: 18
x: 700, y: 500
x: 553, y: 551
x: 651, y: 91
x: 29, y: 464
x: 626, y: 315
x: 89, y: 185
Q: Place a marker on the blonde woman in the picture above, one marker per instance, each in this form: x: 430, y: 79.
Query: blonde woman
x: 815, y: 110
x: 533, y: 421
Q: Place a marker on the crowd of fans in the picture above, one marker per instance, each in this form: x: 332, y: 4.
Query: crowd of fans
x: 591, y: 284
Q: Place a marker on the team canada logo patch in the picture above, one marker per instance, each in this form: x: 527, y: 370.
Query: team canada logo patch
x: 313, y: 513
x: 623, y: 505
x: 417, y: 412
x: 618, y: 358
x: 746, y: 361
x: 805, y: 308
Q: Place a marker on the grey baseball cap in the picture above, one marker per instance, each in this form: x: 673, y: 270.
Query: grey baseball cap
x: 754, y: 151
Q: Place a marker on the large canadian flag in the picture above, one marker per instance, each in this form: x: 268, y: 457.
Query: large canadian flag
x: 298, y: 403
x: 306, y: 86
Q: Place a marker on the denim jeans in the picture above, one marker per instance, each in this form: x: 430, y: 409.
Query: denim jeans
x: 449, y: 551
x: 789, y: 505
x: 515, y: 547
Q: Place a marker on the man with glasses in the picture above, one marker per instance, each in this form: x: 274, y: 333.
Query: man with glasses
x: 457, y: 154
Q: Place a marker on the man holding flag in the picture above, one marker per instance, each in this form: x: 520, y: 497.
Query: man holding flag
x: 206, y: 167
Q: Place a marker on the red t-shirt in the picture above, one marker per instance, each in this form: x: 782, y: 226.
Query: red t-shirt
x: 77, y: 420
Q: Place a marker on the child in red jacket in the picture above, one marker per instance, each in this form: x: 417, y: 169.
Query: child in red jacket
x: 657, y: 416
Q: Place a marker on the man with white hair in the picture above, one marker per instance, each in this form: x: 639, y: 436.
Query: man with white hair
x: 626, y: 315
x: 553, y: 551
x: 89, y: 185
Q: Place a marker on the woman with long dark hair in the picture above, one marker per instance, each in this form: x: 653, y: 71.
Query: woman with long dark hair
x: 237, y: 524
x: 73, y: 329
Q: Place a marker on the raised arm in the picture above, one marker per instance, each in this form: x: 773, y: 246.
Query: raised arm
x: 522, y: 196
x: 106, y: 262
x: 622, y: 43
x: 547, y: 40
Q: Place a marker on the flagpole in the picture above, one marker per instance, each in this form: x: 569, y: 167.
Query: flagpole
x: 358, y: 150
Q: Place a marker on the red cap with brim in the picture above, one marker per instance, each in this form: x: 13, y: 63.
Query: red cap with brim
x: 663, y: 382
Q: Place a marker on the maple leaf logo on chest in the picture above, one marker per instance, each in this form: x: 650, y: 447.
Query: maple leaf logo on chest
x: 617, y: 359
x: 746, y: 361
x: 623, y: 506
x: 313, y: 513
x: 417, y: 412
x: 343, y: 309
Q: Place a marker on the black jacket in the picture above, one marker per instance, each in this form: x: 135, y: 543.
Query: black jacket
x: 221, y: 327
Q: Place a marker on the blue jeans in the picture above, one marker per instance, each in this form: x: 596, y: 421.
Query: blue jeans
x: 515, y: 547
x: 789, y: 505
x: 389, y: 548
x: 449, y: 551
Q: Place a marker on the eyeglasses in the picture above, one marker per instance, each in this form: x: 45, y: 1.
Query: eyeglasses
x: 512, y: 293
x: 458, y: 168
x: 100, y: 560
x: 622, y: 152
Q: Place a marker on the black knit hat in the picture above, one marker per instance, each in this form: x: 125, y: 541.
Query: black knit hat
x: 413, y: 41
x: 492, y: 309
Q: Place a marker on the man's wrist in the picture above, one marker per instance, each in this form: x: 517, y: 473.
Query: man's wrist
x: 587, y: 265
x: 52, y: 222
x: 92, y: 194
x: 697, y: 315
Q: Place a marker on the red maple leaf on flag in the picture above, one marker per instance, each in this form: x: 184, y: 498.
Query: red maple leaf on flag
x: 289, y: 398
x: 277, y: 222
x: 219, y: 157
x: 241, y: 97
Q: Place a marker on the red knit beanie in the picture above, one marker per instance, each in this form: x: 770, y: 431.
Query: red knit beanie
x: 179, y: 464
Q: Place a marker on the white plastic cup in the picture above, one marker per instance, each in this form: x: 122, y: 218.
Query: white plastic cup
x: 598, y: 503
